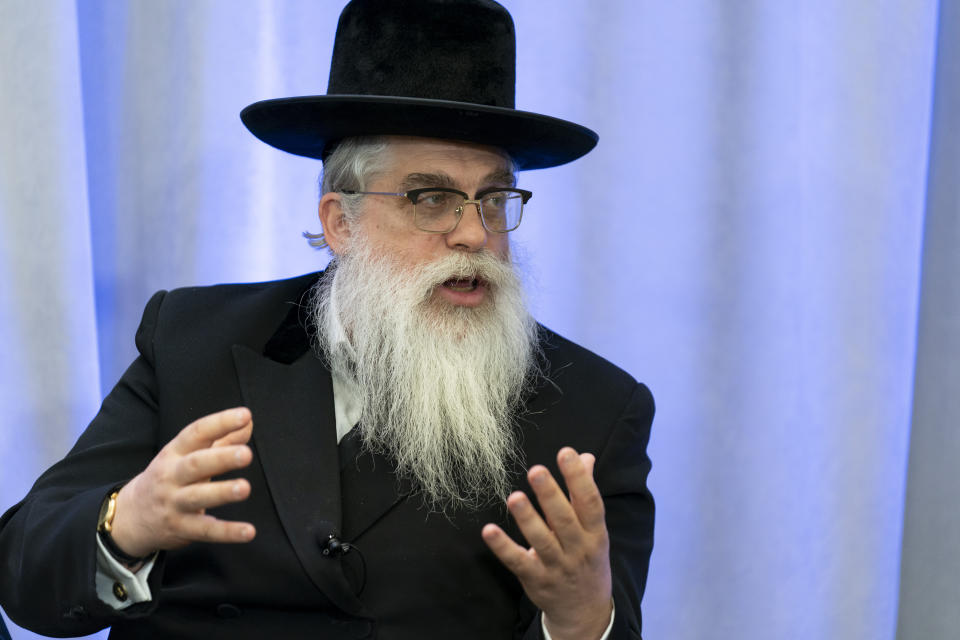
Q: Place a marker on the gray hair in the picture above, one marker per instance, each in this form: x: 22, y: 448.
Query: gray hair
x: 350, y: 167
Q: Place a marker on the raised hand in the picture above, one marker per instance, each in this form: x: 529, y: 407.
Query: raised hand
x: 164, y: 507
x: 566, y: 570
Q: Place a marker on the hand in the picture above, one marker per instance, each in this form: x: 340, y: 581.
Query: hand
x: 566, y: 570
x: 164, y: 507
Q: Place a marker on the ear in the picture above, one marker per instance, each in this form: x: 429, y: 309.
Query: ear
x: 336, y: 229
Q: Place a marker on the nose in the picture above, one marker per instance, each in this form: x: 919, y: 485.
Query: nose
x: 469, y: 234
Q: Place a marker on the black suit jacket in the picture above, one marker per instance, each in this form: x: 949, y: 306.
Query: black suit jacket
x: 416, y: 575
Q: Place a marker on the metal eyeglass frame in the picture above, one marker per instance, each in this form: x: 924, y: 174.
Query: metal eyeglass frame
x: 477, y: 200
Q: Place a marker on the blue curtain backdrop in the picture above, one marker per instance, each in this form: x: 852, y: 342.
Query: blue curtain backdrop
x: 766, y: 235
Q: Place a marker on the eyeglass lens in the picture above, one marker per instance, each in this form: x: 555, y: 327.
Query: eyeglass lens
x: 440, y: 210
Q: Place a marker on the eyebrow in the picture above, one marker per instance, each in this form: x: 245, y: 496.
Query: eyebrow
x: 500, y: 177
x: 415, y: 180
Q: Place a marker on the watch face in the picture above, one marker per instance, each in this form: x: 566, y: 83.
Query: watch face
x: 107, y: 510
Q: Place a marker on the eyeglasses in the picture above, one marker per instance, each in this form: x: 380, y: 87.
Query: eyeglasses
x: 439, y: 209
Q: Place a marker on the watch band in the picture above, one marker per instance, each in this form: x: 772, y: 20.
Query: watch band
x: 108, y: 510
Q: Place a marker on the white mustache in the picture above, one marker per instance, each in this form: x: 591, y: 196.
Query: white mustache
x: 483, y: 266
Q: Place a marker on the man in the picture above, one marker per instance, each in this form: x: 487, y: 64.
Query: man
x: 329, y: 456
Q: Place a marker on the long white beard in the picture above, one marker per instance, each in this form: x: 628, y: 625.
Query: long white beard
x: 440, y: 384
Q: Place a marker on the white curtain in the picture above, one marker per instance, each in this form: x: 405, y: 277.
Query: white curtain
x: 766, y: 235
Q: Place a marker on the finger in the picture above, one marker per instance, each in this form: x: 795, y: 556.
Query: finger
x: 584, y: 494
x: 206, y: 528
x: 240, y: 436
x: 589, y: 461
x: 203, y: 432
x: 560, y: 514
x: 202, y: 465
x: 521, y: 562
x: 535, y: 531
x: 206, y: 495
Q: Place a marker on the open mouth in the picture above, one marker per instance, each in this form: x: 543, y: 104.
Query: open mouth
x: 462, y: 284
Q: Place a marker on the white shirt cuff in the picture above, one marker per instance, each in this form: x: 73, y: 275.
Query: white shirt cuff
x: 606, y: 633
x: 117, y: 586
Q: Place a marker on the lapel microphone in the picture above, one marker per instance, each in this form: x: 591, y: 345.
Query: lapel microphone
x: 334, y: 547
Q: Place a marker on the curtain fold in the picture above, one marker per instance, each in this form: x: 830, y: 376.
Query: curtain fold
x: 49, y: 369
x: 929, y: 590
x: 772, y: 182
x: 49, y: 366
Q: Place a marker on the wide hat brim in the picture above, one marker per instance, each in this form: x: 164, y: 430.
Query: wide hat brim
x: 311, y: 125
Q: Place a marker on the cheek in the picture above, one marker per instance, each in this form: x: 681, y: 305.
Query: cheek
x: 421, y: 248
x: 407, y: 246
x: 380, y: 234
x: 499, y: 244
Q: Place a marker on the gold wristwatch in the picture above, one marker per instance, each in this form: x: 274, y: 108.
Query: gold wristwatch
x: 108, y: 510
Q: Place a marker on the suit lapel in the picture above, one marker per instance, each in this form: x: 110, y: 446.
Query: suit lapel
x: 295, y: 439
x: 368, y: 486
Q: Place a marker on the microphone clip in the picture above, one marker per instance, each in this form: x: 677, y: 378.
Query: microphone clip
x: 333, y: 547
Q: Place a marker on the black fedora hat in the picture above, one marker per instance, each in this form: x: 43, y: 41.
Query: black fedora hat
x: 432, y: 68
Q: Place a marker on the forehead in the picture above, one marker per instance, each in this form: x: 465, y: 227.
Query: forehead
x: 462, y: 163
